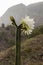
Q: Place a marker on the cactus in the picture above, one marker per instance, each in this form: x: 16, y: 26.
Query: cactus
x: 18, y: 41
x: 27, y: 25
x: 18, y: 46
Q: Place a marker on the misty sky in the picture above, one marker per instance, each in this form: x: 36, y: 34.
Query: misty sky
x: 5, y: 4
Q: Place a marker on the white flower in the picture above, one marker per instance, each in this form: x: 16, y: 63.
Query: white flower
x: 27, y: 25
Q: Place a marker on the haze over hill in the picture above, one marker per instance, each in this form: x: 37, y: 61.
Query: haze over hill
x: 19, y: 11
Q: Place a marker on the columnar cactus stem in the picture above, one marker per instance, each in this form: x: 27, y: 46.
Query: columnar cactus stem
x: 18, y: 42
x: 18, y: 46
x: 26, y: 26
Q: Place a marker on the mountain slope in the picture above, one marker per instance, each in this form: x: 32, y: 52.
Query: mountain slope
x: 36, y: 11
x: 19, y: 11
x: 31, y: 53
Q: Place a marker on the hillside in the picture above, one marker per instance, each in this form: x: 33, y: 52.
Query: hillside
x: 31, y: 53
x: 36, y: 11
x: 20, y: 11
x: 17, y: 11
x: 7, y: 37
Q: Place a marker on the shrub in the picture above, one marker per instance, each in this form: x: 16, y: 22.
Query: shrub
x: 36, y: 31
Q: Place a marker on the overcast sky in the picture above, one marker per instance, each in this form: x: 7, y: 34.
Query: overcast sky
x: 5, y: 4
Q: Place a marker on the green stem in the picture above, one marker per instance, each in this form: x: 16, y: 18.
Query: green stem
x: 18, y: 46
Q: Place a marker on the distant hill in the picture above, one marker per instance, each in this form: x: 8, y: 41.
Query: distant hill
x: 19, y: 11
x: 36, y: 11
